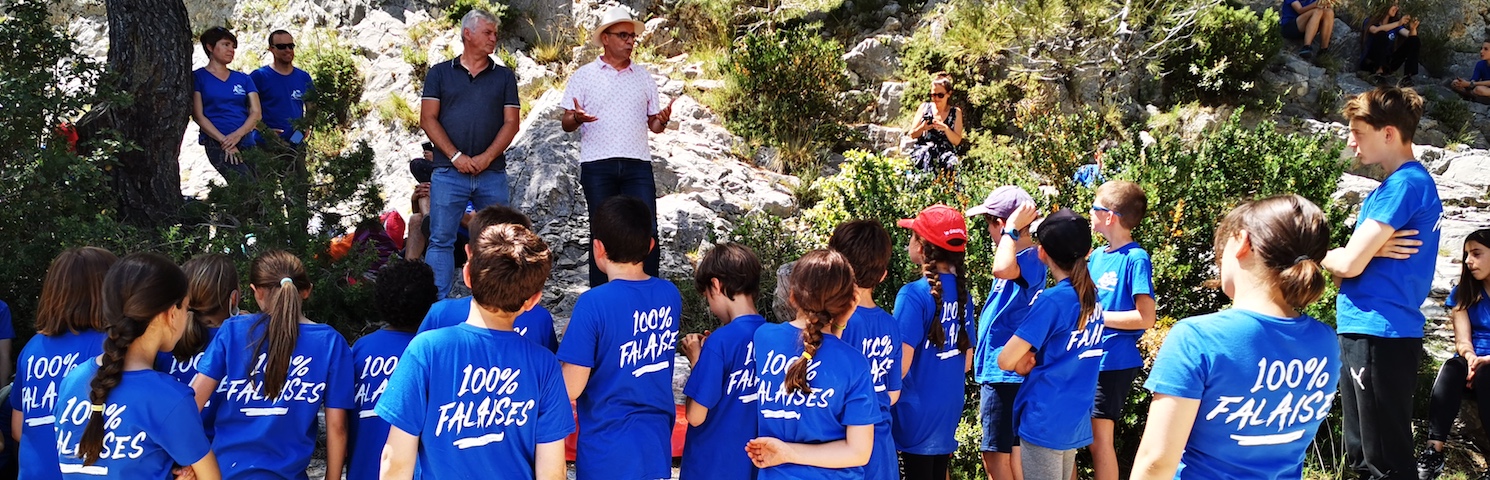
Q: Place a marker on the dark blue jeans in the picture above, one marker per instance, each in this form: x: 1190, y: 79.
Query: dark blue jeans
x: 602, y: 179
x: 219, y: 160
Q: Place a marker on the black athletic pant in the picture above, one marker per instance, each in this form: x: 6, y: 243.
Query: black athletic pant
x: 1448, y: 390
x: 1376, y: 387
x: 1389, y: 56
x: 923, y: 467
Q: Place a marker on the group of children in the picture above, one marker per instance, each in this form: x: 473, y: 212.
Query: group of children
x: 142, y: 369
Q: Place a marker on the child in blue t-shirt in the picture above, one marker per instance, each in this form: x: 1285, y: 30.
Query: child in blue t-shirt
x: 932, y: 314
x: 1018, y: 278
x: 270, y: 374
x: 618, y: 353
x: 225, y: 105
x: 214, y: 298
x: 1124, y: 278
x: 118, y: 418
x: 1240, y: 393
x: 476, y: 399
x: 404, y: 290
x: 867, y: 246
x: 817, y: 402
x: 1058, y: 348
x: 1477, y: 87
x: 536, y: 324
x: 7, y: 334
x: 721, y: 388
x: 1470, y: 313
x: 68, y: 323
x: 1383, y: 284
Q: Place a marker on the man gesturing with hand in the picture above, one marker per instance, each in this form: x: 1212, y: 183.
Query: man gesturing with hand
x: 470, y: 112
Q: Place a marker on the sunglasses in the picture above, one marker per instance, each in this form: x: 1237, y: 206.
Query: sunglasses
x: 624, y: 36
x: 1099, y: 208
x: 283, y: 46
x: 939, y: 95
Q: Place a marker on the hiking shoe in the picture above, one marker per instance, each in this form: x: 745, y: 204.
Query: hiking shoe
x: 1430, y: 464
x: 1307, y: 52
x: 1405, y: 82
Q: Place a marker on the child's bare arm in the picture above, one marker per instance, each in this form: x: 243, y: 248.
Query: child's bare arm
x: 548, y: 461
x: 1140, y: 318
x: 1170, y: 420
x: 1349, y: 261
x: 575, y: 379
x: 399, y: 455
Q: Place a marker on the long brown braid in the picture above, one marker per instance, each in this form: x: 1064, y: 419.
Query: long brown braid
x: 822, y: 290
x: 280, y: 322
x: 138, y: 288
x: 935, y: 257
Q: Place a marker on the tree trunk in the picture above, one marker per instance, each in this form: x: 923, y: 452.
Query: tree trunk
x: 149, y: 62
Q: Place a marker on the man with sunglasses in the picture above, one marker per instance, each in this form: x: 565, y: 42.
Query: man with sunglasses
x: 615, y: 103
x: 283, y: 88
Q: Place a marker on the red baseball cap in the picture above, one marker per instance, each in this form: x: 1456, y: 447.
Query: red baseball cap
x: 941, y: 225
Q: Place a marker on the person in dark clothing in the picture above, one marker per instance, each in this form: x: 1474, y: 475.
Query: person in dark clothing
x: 1391, y: 43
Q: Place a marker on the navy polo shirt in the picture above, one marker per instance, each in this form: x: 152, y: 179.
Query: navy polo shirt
x: 471, y: 107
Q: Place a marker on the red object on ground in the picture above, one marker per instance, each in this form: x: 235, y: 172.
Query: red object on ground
x: 680, y: 430
x: 393, y: 223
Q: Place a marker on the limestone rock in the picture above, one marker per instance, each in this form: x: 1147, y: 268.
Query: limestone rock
x: 1470, y: 169
x: 874, y: 59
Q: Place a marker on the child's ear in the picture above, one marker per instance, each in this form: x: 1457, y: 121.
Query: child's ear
x: 716, y: 286
x: 597, y: 249
x: 885, y: 275
x: 531, y: 302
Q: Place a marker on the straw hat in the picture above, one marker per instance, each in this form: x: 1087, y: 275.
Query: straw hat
x: 613, y: 15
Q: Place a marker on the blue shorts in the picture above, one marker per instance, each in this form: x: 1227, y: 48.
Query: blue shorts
x: 1113, y: 387
x: 996, y: 413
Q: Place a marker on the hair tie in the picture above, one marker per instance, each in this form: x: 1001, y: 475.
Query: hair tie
x: 97, y: 408
x: 806, y: 356
x: 1301, y: 259
x: 286, y: 282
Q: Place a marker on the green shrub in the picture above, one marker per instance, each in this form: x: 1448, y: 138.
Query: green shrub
x: 782, y: 89
x: 1225, y: 54
x: 338, y: 82
x: 459, y: 9
x: 394, y: 110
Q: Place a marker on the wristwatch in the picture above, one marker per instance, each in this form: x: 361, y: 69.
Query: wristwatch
x: 1012, y: 233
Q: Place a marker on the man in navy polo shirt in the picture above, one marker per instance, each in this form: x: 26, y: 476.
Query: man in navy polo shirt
x: 282, y: 88
x: 458, y: 114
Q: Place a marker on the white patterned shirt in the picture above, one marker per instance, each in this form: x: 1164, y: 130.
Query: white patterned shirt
x: 621, y: 101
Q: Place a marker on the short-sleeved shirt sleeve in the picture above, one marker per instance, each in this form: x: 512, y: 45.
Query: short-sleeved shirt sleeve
x: 1038, y: 324
x: 7, y: 328
x: 556, y: 419
x: 432, y: 83
x: 341, y: 379
x: 510, y: 99
x: 403, y: 404
x: 893, y: 382
x: 1179, y: 369
x: 184, y: 440
x: 860, y: 405
x: 911, y: 313
x: 1481, y: 72
x: 1393, y: 203
x: 1143, y: 275
x: 654, y: 101
x: 706, y: 381
x: 581, y: 339
x: 214, y: 362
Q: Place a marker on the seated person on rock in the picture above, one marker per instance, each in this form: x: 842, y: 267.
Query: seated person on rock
x: 1306, y: 20
x: 1477, y: 88
x: 938, y: 128
x: 418, y: 228
x: 1469, y: 311
x: 1391, y: 42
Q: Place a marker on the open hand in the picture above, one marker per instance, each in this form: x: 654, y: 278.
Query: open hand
x: 184, y: 473
x: 230, y: 155
x: 580, y: 115
x: 1023, y: 216
x: 767, y: 452
x: 1400, y: 247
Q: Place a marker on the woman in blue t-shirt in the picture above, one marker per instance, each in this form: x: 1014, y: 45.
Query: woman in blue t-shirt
x: 1058, y: 349
x: 933, y: 313
x: 268, y: 375
x: 225, y: 105
x: 404, y: 290
x: 68, y: 323
x: 117, y: 417
x: 1470, y: 313
x: 1241, y: 392
x: 214, y: 295
x: 817, y: 403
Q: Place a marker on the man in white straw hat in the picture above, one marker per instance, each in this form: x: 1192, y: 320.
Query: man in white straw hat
x: 614, y: 103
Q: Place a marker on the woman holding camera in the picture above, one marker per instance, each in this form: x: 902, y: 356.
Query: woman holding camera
x: 938, y: 128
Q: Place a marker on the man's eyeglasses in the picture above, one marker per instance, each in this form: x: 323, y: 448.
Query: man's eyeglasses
x: 283, y: 46
x: 1099, y: 208
x: 624, y: 36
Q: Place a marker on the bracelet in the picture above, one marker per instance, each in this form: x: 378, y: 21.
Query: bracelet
x: 457, y: 155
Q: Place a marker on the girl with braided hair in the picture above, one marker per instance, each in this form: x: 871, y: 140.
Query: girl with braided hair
x: 68, y: 323
x: 817, y: 403
x: 269, y: 374
x: 932, y: 313
x: 117, y: 417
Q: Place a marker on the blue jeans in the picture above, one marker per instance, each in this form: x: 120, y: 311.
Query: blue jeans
x: 602, y: 179
x: 219, y: 160
x: 449, y: 192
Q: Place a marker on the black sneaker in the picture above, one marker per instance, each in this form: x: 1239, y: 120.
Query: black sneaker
x: 1307, y: 52
x: 1430, y: 464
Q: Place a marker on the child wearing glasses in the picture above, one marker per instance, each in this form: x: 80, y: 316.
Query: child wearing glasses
x: 1125, y: 289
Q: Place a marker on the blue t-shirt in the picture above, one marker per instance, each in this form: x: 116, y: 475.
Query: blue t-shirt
x: 626, y: 332
x: 183, y: 372
x: 1054, y: 406
x: 39, y: 372
x: 320, y: 374
x: 1289, y: 15
x: 1481, y: 72
x: 1479, y: 320
x: 724, y: 382
x: 1089, y: 175
x: 7, y: 329
x: 842, y: 396
x: 1384, y: 300
x: 480, y: 400
x: 931, y: 395
x: 282, y: 97
x: 1264, y: 385
x: 1120, y: 275
x: 536, y: 325
x: 1008, y: 302
x: 224, y: 102
x: 374, y: 356
x: 150, y: 424
x: 876, y: 334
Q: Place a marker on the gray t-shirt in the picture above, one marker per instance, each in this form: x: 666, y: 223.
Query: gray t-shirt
x: 471, y: 108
